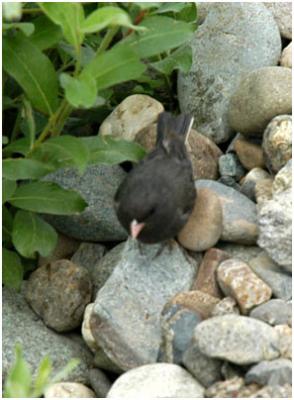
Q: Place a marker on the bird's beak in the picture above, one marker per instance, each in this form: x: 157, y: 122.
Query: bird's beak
x: 135, y: 228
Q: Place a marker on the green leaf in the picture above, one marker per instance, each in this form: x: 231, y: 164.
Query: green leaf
x: 47, y: 198
x: 189, y: 13
x: 42, y: 378
x: 46, y: 34
x: 7, y: 223
x: 33, y: 71
x: 170, y: 7
x: 19, y: 146
x: 69, y: 16
x: 110, y: 150
x: 81, y: 91
x: 107, y: 16
x: 32, y: 234
x: 12, y: 11
x: 63, y: 151
x: 163, y: 34
x: 180, y: 59
x: 23, y: 168
x: 114, y: 66
x: 146, y: 6
x: 12, y: 275
x: 26, y: 27
x: 30, y: 120
x: 8, y: 188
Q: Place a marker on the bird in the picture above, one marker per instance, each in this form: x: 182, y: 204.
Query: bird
x: 154, y: 201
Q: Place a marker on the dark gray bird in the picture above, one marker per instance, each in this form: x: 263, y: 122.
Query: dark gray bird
x: 156, y: 198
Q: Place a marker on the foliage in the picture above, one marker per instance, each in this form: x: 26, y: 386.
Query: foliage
x: 19, y: 382
x: 66, y: 66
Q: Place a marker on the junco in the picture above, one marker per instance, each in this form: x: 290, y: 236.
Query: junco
x: 156, y: 198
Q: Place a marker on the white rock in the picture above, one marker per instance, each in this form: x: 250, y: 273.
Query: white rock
x: 286, y: 57
x: 86, y: 331
x: 69, y: 390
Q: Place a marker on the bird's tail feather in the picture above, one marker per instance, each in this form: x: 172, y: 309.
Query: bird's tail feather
x: 170, y: 127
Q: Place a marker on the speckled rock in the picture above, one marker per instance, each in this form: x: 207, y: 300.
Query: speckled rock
x: 249, y: 153
x: 261, y: 95
x: 230, y: 388
x: 59, y: 292
x: 229, y: 165
x: 241, y: 340
x: 126, y: 317
x: 275, y: 228
x: 132, y: 115
x: 274, y: 392
x: 263, y: 191
x: 238, y: 281
x: 226, y: 306
x: 206, y: 276
x: 244, y: 253
x: 86, y: 329
x: 283, y: 179
x: 156, y: 380
x: 274, y: 372
x: 284, y: 340
x: 274, y: 312
x: 99, y: 382
x: 249, y: 182
x: 65, y: 248
x: 235, y: 38
x: 21, y: 325
x: 272, y: 274
x: 277, y: 142
x: 205, y: 369
x: 146, y: 137
x: 286, y: 57
x: 204, y: 226
x: 98, y: 222
x: 88, y: 255
x: 239, y: 213
x: 282, y: 12
x: 68, y: 390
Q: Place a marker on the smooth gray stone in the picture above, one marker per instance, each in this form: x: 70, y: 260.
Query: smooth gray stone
x: 274, y: 372
x: 274, y: 312
x: 99, y: 382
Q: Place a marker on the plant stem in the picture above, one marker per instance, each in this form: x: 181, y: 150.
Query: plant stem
x: 107, y: 39
x: 31, y: 10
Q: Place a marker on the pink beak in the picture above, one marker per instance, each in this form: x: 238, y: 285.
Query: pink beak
x: 135, y: 228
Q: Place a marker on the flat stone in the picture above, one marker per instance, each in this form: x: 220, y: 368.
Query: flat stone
x: 285, y: 340
x: 143, y: 280
x: 99, y: 382
x: 261, y: 95
x: 238, y: 281
x: 65, y: 248
x: 230, y: 388
x: 59, y: 292
x: 206, y: 276
x: 196, y: 300
x: 132, y: 115
x: 204, y: 226
x: 239, y: 213
x: 274, y: 312
x: 249, y: 153
x: 249, y: 182
x: 286, y: 57
x: 282, y: 12
x: 156, y: 380
x: 98, y: 185
x: 68, y: 390
x: 88, y: 255
x: 277, y: 142
x: 234, y: 38
x: 274, y: 372
x: 244, y: 253
x: 240, y: 340
x: 274, y: 392
x: 21, y: 325
x: 272, y: 274
x: 226, y: 306
x: 283, y: 179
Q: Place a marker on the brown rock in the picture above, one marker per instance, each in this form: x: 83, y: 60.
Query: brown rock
x: 204, y: 226
x: 147, y: 137
x: 238, y: 280
x: 284, y: 340
x: 65, y: 248
x: 197, y: 301
x: 248, y: 183
x: 206, y: 277
x: 250, y: 154
x: 263, y: 190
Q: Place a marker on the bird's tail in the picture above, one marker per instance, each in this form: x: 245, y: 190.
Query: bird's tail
x: 170, y: 127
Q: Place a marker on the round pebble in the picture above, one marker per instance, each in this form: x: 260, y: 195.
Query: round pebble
x: 286, y: 57
x: 274, y: 312
x: 249, y: 153
x: 250, y: 180
x: 283, y: 179
x: 68, y: 390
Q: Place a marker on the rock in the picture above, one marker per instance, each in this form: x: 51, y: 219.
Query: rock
x: 98, y: 222
x: 274, y: 312
x: 205, y: 369
x: 285, y: 340
x: 274, y: 392
x: 229, y: 181
x: 279, y: 281
x: 231, y: 388
x: 65, y: 248
x: 249, y: 153
x: 206, y: 276
x: 277, y: 142
x: 229, y: 165
x: 99, y: 382
x: 230, y: 371
x: 282, y: 12
x: 237, y: 280
x: 244, y: 253
x: 241, y: 340
x: 274, y: 372
x: 226, y: 306
x: 68, y: 390
x: 59, y: 292
x: 21, y: 325
x: 88, y: 255
x: 86, y: 329
x: 261, y: 95
x: 250, y: 181
x: 132, y: 115
x: 204, y: 226
x: 263, y: 191
x: 235, y: 38
x: 147, y: 137
x: 283, y: 179
x: 156, y: 380
x: 275, y: 228
x: 239, y: 213
x: 286, y: 57
x: 126, y: 316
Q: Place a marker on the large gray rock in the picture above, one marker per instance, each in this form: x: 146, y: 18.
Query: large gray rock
x: 241, y: 340
x: 98, y: 222
x: 234, y: 39
x: 282, y: 12
x: 21, y: 325
x: 126, y: 316
x: 239, y: 213
x: 274, y: 372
